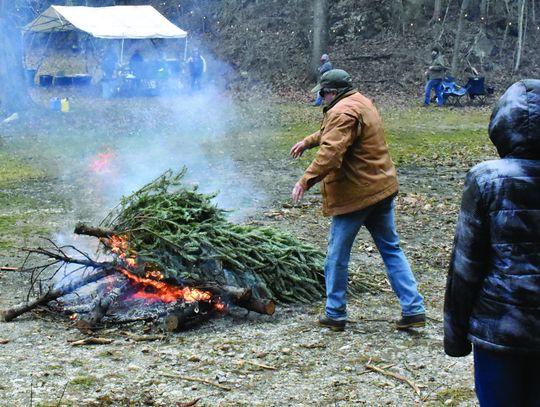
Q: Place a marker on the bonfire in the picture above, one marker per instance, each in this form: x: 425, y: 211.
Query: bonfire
x: 172, y: 255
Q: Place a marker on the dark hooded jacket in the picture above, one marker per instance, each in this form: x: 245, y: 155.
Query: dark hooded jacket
x: 493, y: 288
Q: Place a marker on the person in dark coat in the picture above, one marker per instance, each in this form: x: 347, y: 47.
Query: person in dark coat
x: 197, y: 67
x: 109, y: 64
x: 435, y: 75
x: 492, y: 300
x: 324, y: 66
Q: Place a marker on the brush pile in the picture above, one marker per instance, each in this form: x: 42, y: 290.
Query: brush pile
x: 188, y: 239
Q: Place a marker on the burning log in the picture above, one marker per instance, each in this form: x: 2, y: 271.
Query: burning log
x: 188, y: 315
x: 243, y: 297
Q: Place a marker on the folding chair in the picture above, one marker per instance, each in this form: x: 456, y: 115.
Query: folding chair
x: 476, y: 90
x: 452, y: 92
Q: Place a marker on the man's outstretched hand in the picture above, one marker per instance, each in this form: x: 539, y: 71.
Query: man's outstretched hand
x: 297, y: 149
x: 297, y: 192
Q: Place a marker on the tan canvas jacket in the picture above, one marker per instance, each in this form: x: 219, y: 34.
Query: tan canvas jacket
x: 353, y: 162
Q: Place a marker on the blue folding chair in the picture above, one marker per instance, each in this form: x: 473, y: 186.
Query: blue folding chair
x: 452, y: 92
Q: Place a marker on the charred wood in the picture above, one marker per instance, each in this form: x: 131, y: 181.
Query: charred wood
x: 243, y: 297
x: 101, y: 306
x: 54, y: 293
x: 188, y: 315
x: 87, y: 230
x: 260, y: 305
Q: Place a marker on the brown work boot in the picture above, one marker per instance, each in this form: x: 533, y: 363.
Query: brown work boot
x: 333, y: 324
x: 411, y: 321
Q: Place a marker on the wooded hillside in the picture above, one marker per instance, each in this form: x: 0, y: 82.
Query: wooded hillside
x: 385, y: 45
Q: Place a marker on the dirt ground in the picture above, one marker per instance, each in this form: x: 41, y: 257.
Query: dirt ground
x: 239, y: 359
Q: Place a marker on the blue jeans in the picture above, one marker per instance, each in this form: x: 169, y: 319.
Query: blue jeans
x: 379, y: 220
x: 196, y: 82
x: 437, y: 85
x: 506, y: 379
x: 318, y: 100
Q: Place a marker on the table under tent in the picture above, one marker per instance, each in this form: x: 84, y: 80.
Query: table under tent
x: 119, y: 69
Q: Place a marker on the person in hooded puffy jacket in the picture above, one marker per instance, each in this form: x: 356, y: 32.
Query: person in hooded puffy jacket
x: 492, y: 300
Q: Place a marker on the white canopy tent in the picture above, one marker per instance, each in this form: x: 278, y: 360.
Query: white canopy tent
x: 114, y: 22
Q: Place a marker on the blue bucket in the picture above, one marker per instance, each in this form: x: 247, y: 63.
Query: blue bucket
x: 30, y: 75
x: 55, y: 104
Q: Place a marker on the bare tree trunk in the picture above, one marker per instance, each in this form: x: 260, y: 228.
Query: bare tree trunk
x: 13, y: 93
x: 483, y: 9
x: 320, y: 33
x: 457, y: 42
x: 533, y: 12
x: 401, y: 16
x: 436, y: 11
x: 519, y: 46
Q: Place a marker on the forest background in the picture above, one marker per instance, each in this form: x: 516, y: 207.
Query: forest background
x: 275, y: 44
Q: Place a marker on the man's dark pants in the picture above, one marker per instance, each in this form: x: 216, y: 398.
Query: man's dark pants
x: 506, y: 379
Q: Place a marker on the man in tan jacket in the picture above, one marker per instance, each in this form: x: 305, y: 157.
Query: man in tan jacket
x: 358, y: 185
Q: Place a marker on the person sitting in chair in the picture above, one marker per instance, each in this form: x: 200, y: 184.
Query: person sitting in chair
x: 435, y: 76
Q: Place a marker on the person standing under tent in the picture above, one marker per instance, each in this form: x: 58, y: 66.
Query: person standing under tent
x: 197, y: 67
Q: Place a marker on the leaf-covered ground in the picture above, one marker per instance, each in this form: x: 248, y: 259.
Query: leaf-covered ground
x: 56, y: 169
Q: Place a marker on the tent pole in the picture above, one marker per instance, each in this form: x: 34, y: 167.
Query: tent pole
x: 45, y: 51
x: 122, y: 53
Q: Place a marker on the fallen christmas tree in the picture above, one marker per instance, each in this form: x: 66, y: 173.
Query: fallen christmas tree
x: 189, y: 240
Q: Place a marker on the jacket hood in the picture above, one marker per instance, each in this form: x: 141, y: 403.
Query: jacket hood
x: 514, y: 127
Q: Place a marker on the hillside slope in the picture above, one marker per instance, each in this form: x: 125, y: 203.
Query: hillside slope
x: 386, y: 50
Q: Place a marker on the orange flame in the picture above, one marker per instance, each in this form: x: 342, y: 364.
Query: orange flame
x: 102, y: 163
x: 153, y: 288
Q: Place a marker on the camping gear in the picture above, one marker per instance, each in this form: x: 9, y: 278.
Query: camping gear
x: 113, y: 22
x: 45, y: 80
x: 54, y: 104
x: 62, y: 80
x: 81, y: 80
x: 30, y: 75
x: 477, y: 90
x: 452, y: 92
x: 64, y: 105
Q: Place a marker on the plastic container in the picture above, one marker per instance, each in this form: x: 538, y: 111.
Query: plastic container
x: 64, y: 105
x: 81, y: 80
x: 55, y: 104
x: 30, y: 75
x: 63, y: 80
x: 45, y: 80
